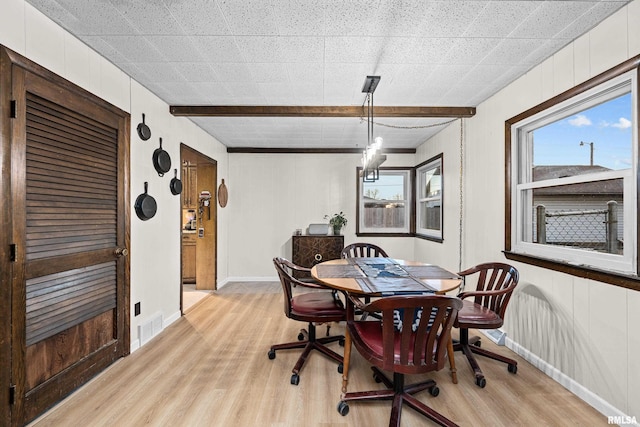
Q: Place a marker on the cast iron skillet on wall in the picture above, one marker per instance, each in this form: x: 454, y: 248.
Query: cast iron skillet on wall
x: 145, y: 205
x: 143, y: 130
x: 175, y: 185
x: 161, y: 160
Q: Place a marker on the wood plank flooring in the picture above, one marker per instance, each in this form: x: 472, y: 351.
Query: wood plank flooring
x: 210, y: 368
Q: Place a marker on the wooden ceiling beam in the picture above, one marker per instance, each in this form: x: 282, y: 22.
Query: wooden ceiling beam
x: 316, y: 111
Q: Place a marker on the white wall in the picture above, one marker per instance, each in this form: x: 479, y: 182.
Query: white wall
x: 155, y: 244
x: 272, y: 195
x: 579, y: 331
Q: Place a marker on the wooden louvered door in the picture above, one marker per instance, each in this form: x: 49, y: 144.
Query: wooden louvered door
x: 70, y: 221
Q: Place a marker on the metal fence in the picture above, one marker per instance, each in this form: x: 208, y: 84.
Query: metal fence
x: 587, y: 229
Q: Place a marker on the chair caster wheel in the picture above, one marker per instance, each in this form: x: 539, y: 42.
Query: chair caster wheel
x: 478, y: 343
x: 376, y: 378
x: 434, y: 391
x: 341, y: 342
x: 481, y: 382
x: 295, y: 379
x: 343, y: 408
x: 300, y: 336
x: 512, y: 368
x: 340, y: 368
x: 272, y: 354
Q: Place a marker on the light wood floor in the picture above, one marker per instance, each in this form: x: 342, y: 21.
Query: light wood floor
x: 210, y: 368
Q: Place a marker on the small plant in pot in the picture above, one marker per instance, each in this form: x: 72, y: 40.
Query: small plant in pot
x: 337, y: 221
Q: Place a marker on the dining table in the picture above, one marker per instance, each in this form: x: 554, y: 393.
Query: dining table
x: 380, y: 277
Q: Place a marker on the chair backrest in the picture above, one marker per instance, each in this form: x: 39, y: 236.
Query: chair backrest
x: 284, y: 268
x: 491, y: 277
x: 417, y: 342
x: 363, y: 250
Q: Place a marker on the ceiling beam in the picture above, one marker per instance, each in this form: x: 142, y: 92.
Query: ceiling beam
x: 316, y: 111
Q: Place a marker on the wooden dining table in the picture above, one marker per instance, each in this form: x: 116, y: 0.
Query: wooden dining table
x: 380, y: 277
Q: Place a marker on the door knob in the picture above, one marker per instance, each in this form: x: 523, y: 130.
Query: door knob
x: 121, y: 252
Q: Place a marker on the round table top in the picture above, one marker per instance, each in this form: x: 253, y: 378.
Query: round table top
x: 347, y: 275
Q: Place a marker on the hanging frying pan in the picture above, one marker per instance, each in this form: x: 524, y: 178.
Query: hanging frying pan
x: 175, y: 185
x: 161, y: 160
x: 145, y: 205
x: 143, y: 130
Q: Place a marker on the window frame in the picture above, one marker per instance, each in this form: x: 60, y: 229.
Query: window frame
x: 428, y: 234
x: 627, y: 279
x: 410, y: 204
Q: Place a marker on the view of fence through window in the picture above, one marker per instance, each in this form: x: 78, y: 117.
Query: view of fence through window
x: 593, y: 149
x: 385, y: 201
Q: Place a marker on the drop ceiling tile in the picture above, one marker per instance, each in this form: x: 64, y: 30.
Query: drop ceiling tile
x: 302, y: 49
x: 350, y: 18
x: 147, y: 17
x: 431, y: 50
x: 232, y: 71
x: 134, y: 49
x: 305, y: 74
x: 550, y: 19
x: 250, y: 17
x: 159, y: 73
x: 396, y: 50
x: 307, y: 94
x: 350, y: 49
x: 96, y: 18
x: 450, y: 18
x: 544, y: 51
x: 470, y: 51
x: 499, y: 18
x: 218, y: 48
x: 176, y: 48
x: 260, y: 48
x: 199, y: 17
x: 400, y: 18
x: 196, y: 71
x: 110, y: 52
x: 269, y: 73
x: 589, y: 19
x: 213, y: 93
x: 511, y: 52
x: 298, y: 17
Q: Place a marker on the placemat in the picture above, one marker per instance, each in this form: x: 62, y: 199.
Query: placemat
x: 347, y: 271
x: 429, y: 272
x: 393, y: 285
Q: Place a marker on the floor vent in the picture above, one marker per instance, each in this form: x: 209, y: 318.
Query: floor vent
x: 150, y: 329
x: 495, y: 335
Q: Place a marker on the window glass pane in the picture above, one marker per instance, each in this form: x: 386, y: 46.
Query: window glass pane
x: 594, y: 140
x: 384, y: 202
x: 586, y: 216
x: 433, y: 183
x: 430, y: 215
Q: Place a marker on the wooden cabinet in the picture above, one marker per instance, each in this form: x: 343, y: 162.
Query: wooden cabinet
x: 308, y: 251
x: 188, y: 257
x: 189, y: 186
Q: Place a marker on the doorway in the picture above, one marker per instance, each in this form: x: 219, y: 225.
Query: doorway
x: 198, y: 226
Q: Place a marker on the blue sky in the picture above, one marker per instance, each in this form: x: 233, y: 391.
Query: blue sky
x: 607, y: 125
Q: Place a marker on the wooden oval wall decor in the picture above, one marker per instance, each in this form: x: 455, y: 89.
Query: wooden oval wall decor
x: 223, y: 195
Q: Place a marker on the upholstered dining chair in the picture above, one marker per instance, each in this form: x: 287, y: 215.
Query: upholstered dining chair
x: 363, y: 250
x: 320, y: 306
x: 484, y: 308
x: 406, y: 341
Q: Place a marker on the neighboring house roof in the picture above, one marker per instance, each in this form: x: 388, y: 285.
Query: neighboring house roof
x: 611, y: 188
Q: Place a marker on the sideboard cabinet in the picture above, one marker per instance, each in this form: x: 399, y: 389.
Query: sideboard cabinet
x: 309, y: 250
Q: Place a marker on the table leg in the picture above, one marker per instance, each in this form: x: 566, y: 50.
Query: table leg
x: 346, y: 360
x: 452, y: 361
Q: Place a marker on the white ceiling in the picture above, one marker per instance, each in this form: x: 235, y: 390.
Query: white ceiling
x: 318, y: 53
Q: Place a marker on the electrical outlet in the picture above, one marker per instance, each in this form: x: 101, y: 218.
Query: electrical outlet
x: 136, y: 309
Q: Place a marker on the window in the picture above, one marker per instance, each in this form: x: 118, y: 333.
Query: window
x: 429, y: 199
x: 384, y: 206
x: 572, y: 185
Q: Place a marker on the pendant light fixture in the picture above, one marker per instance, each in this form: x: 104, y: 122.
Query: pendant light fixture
x: 371, y: 156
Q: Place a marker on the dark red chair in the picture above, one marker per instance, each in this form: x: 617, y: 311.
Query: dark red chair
x: 415, y: 343
x: 363, y: 250
x: 312, y: 307
x: 484, y: 308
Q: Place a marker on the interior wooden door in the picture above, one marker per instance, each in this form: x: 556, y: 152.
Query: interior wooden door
x: 69, y: 227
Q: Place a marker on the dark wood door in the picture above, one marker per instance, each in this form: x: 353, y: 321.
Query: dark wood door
x: 69, y: 227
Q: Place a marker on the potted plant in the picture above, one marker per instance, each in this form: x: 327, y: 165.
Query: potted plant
x: 337, y: 221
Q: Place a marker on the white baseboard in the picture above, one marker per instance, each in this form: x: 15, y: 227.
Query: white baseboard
x: 599, y: 404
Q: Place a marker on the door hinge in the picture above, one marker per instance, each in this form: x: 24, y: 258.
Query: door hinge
x: 12, y: 394
x: 13, y: 249
x: 14, y: 109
